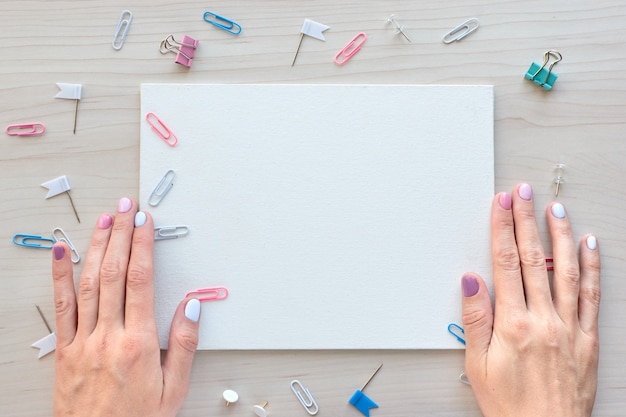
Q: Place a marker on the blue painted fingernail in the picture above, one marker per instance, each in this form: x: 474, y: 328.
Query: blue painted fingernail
x: 558, y: 210
x: 592, y: 242
x: 140, y: 219
x: 192, y: 310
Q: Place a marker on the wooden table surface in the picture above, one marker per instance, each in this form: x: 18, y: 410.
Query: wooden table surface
x: 580, y: 123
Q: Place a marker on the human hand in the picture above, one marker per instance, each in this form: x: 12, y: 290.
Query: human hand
x: 108, y: 360
x: 536, y: 353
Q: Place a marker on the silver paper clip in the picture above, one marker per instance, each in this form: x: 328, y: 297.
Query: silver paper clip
x: 307, y: 400
x: 170, y: 232
x: 122, y: 30
x: 461, y: 30
x: 59, y: 235
x: 162, y: 188
x: 216, y: 20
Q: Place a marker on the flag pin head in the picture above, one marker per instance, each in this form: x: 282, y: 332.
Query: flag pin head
x: 361, y: 401
x: 313, y: 29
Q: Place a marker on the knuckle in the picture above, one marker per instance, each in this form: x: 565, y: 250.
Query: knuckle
x: 569, y: 273
x: 110, y: 272
x: 591, y: 295
x: 64, y: 305
x: 474, y: 318
x: 507, y: 258
x: 532, y: 256
x: 188, y: 341
x: 518, y: 327
x: 88, y: 287
x: 138, y: 276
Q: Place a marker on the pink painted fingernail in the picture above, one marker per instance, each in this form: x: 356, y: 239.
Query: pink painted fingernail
x: 525, y: 191
x: 470, y: 285
x: 105, y: 221
x: 505, y: 201
x: 124, y: 205
x: 59, y: 251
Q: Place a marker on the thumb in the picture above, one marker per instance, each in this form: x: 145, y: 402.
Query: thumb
x: 182, y: 346
x: 477, y: 318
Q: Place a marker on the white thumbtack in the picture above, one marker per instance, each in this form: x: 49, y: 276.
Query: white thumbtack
x: 230, y: 397
x: 71, y: 92
x: 259, y: 410
x: 47, y: 344
x: 57, y: 186
x: 560, y: 168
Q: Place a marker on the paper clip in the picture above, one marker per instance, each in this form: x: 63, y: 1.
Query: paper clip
x: 464, y: 379
x: 546, y: 77
x: 350, y: 49
x: 230, y: 26
x: 33, y: 241
x: 26, y: 129
x: 184, y: 50
x: 209, y: 294
x: 166, y: 134
x: 170, y: 232
x: 457, y: 331
x: 122, y: 30
x: 59, y: 235
x: 308, y: 403
x: 162, y: 188
x: 461, y: 30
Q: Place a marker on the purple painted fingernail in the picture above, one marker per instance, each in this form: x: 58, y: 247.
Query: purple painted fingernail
x: 124, y: 205
x: 470, y: 285
x: 525, y: 192
x: 505, y: 201
x: 59, y: 251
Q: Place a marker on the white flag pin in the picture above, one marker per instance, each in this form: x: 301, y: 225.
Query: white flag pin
x: 57, y: 186
x: 71, y: 92
x: 313, y: 29
x: 46, y: 344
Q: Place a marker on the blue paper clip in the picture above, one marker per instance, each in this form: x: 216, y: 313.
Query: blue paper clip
x: 540, y: 75
x: 230, y: 26
x: 32, y: 241
x: 454, y: 330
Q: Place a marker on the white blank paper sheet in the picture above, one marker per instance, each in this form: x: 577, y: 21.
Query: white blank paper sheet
x: 338, y: 216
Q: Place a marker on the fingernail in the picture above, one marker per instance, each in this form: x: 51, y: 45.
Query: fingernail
x: 124, y: 205
x: 105, y: 221
x: 505, y: 201
x: 192, y: 310
x: 59, y: 251
x: 470, y: 285
x: 140, y: 219
x: 525, y: 191
x: 558, y: 210
x: 592, y: 242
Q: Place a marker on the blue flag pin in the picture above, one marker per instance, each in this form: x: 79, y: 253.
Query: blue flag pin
x: 361, y: 401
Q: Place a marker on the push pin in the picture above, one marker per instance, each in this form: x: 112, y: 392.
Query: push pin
x: 560, y: 168
x: 71, y: 92
x: 399, y: 28
x: 184, y: 50
x: 259, y: 410
x: 313, y: 29
x: 540, y: 75
x: 58, y: 186
x: 230, y: 397
x: 47, y: 344
x: 361, y: 401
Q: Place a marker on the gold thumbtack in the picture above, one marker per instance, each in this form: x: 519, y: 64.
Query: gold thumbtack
x: 230, y: 397
x: 259, y: 410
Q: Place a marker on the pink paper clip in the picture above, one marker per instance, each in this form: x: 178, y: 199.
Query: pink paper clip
x: 350, y: 49
x: 26, y: 129
x: 209, y: 294
x: 184, y: 50
x: 166, y: 134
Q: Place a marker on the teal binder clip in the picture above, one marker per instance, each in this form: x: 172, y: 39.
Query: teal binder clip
x: 361, y: 401
x: 540, y: 75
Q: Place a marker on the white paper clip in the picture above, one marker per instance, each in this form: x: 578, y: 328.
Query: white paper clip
x: 461, y: 30
x: 122, y: 30
x: 162, y: 188
x: 307, y: 400
x: 59, y: 235
x: 170, y: 232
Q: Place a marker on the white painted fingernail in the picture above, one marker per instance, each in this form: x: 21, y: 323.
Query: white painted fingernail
x: 192, y: 310
x: 592, y: 242
x: 140, y: 219
x: 558, y: 210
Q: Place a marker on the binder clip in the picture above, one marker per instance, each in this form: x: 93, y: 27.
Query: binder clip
x: 540, y: 75
x: 184, y: 50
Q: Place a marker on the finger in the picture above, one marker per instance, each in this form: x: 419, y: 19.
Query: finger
x: 115, y: 265
x: 182, y: 347
x: 64, y: 294
x: 589, y: 301
x: 507, y: 275
x: 477, y: 320
x: 89, y: 284
x: 530, y: 249
x: 566, y: 282
x: 139, y: 279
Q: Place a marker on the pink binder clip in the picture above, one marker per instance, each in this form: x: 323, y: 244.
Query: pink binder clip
x: 184, y: 50
x: 27, y: 129
x: 160, y: 129
x: 209, y: 294
x: 350, y: 49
